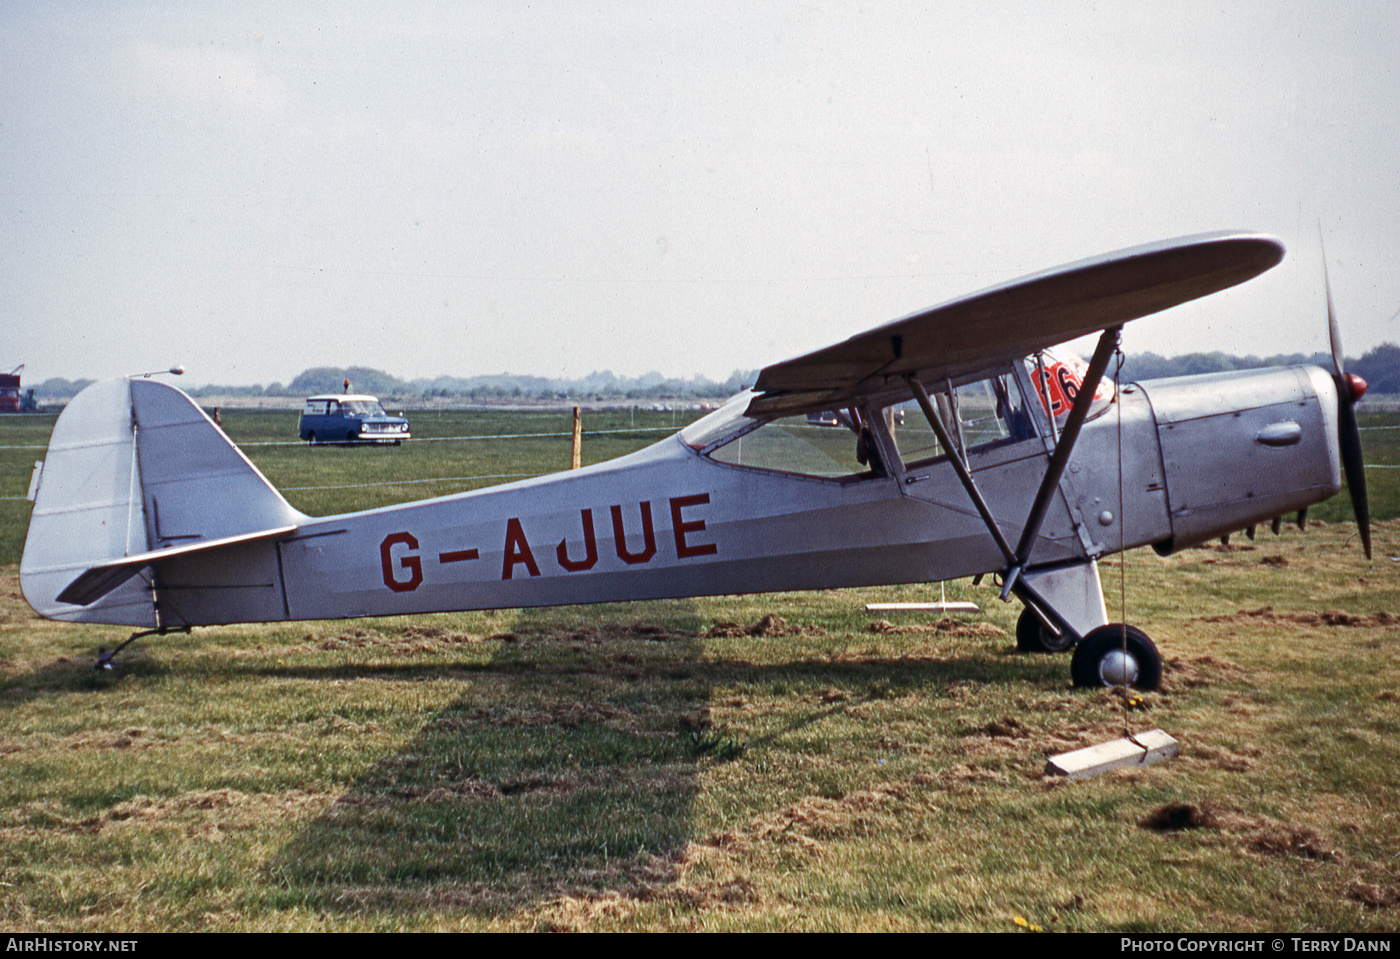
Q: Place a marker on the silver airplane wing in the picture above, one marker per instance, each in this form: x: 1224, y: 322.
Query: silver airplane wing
x: 1015, y: 319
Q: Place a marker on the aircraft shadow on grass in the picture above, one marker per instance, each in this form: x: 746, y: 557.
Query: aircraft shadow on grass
x: 568, y: 765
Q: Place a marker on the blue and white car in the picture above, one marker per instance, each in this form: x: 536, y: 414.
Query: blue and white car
x: 350, y: 418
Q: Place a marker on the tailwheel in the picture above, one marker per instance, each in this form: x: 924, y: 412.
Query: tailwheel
x: 107, y: 662
x: 1117, y: 655
x: 1033, y: 636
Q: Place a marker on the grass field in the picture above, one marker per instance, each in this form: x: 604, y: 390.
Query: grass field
x: 765, y: 762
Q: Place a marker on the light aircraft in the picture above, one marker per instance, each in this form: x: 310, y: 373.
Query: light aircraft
x: 950, y: 443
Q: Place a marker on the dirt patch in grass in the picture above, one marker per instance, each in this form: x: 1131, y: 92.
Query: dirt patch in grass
x: 1190, y: 672
x: 412, y: 640
x: 613, y: 633
x: 1227, y: 760
x: 703, y: 877
x: 771, y: 624
x: 203, y: 813
x: 961, y: 777
x: 415, y: 639
x: 591, y: 635
x: 805, y: 824
x: 1008, y: 728
x: 699, y: 877
x: 26, y: 820
x: 1324, y: 618
x: 1377, y: 895
x: 574, y: 903
x: 230, y: 807
x: 1300, y: 842
x: 567, y: 715
x: 133, y: 738
x: 1259, y: 835
x: 713, y: 874
x: 1176, y: 816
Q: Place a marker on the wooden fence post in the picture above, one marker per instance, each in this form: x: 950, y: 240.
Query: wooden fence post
x: 577, y: 459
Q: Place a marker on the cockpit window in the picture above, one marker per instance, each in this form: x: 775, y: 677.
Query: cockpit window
x: 830, y: 444
x: 976, y: 415
x: 844, y: 443
x: 913, y: 437
x: 992, y: 410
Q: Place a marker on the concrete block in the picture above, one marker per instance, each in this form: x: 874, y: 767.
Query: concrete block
x: 1144, y: 749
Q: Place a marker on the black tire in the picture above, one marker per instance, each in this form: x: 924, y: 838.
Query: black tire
x: 1099, y: 655
x: 350, y: 437
x: 1033, y: 637
x: 311, y: 438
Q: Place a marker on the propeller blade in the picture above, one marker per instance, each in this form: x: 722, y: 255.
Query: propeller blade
x: 1354, y: 465
x: 1334, y: 329
x: 1349, y: 390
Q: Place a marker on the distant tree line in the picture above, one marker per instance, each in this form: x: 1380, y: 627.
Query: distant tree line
x: 496, y: 388
x: 1380, y: 368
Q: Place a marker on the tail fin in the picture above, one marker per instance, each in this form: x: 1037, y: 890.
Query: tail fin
x: 136, y: 473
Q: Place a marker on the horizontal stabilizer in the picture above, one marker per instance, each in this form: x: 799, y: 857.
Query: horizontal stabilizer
x: 105, y: 577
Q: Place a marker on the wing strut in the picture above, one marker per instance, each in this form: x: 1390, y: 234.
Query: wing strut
x: 1017, y: 560
x: 960, y: 467
x: 1078, y: 413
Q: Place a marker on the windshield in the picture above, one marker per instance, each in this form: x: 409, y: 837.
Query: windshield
x: 362, y: 408
x: 726, y: 420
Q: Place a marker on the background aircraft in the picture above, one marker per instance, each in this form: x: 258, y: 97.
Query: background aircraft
x: 948, y: 443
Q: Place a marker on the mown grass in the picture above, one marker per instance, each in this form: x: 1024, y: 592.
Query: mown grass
x: 733, y: 763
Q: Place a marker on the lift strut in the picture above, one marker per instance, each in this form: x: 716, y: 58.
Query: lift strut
x: 1017, y: 559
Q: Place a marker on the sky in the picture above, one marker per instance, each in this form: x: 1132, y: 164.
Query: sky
x: 553, y: 188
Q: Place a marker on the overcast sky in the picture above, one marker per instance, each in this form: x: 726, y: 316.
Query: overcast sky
x: 556, y: 188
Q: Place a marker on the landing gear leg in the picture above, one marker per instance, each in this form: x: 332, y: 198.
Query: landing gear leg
x: 1033, y: 636
x: 1062, y: 605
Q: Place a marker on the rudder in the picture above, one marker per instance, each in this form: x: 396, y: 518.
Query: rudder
x: 133, y: 468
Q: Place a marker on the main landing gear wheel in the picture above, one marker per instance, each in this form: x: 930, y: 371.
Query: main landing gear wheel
x: 1033, y: 636
x: 1100, y: 659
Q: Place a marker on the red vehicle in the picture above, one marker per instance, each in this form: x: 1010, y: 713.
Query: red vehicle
x: 9, y: 392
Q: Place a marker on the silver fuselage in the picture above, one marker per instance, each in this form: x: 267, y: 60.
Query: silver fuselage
x: 1200, y: 457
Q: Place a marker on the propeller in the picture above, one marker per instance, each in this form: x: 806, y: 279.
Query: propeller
x: 1350, y: 389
